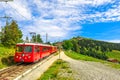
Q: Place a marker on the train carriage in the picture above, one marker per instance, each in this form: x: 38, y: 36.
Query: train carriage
x: 32, y: 52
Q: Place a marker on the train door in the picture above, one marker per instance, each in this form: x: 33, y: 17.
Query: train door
x: 36, y: 53
x: 48, y: 50
x: 44, y: 51
x: 41, y: 52
x: 52, y: 49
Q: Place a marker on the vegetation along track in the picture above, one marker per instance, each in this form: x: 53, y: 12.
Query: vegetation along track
x: 12, y: 72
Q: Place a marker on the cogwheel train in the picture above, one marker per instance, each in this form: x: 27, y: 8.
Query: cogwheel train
x: 32, y: 52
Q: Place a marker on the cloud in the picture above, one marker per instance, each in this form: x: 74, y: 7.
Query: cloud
x: 114, y: 41
x: 54, y: 29
x: 92, y: 11
x: 18, y: 10
x: 60, y: 18
x: 85, y: 2
x: 74, y: 10
x: 62, y: 13
x: 100, y: 2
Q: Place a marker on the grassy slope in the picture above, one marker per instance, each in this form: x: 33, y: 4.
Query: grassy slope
x: 6, y: 52
x: 77, y: 56
x: 5, y: 56
x: 114, y: 54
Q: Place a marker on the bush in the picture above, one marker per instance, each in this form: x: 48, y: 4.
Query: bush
x: 95, y: 54
x: 8, y: 60
x: 1, y: 45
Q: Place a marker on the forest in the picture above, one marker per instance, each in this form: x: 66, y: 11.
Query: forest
x: 90, y: 47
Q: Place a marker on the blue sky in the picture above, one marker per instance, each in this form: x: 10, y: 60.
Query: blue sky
x: 64, y: 19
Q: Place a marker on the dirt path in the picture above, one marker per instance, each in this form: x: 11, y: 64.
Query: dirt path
x: 85, y: 70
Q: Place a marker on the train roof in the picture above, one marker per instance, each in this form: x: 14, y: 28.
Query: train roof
x: 39, y: 44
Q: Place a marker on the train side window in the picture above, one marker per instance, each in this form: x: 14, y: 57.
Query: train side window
x: 28, y: 49
x: 37, y: 49
x: 19, y: 48
x: 44, y: 49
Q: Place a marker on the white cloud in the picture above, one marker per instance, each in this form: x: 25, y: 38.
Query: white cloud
x: 101, y: 2
x: 65, y: 12
x: 85, y: 2
x: 62, y: 8
x: 51, y: 27
x: 18, y: 9
x: 114, y: 41
x: 58, y: 16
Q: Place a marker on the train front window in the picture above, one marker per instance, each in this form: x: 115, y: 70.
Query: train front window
x: 28, y: 49
x: 19, y: 49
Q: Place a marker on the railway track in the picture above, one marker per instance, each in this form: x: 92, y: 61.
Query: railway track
x: 16, y: 70
x: 13, y: 71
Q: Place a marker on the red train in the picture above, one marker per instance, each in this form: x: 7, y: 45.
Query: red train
x: 32, y: 52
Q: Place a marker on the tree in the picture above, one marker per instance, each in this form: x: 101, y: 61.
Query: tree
x: 48, y: 43
x: 33, y: 38
x: 67, y: 44
x: 36, y: 38
x: 27, y: 39
x: 76, y: 47
x: 39, y: 40
x: 11, y: 34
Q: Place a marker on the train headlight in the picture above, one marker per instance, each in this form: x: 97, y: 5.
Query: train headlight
x: 23, y: 54
x: 20, y: 57
x: 16, y: 56
x: 29, y: 56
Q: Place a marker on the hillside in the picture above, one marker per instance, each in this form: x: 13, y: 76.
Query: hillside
x: 98, y: 49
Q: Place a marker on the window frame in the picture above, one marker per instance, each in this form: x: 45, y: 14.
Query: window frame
x: 37, y: 49
x: 30, y: 49
x: 18, y: 48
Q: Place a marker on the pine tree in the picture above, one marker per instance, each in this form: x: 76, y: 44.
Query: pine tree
x: 27, y: 39
x: 33, y: 38
x: 39, y: 40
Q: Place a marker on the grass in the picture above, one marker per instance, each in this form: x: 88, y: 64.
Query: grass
x: 114, y: 54
x: 53, y: 72
x: 5, y: 52
x: 78, y: 56
x: 6, y: 57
